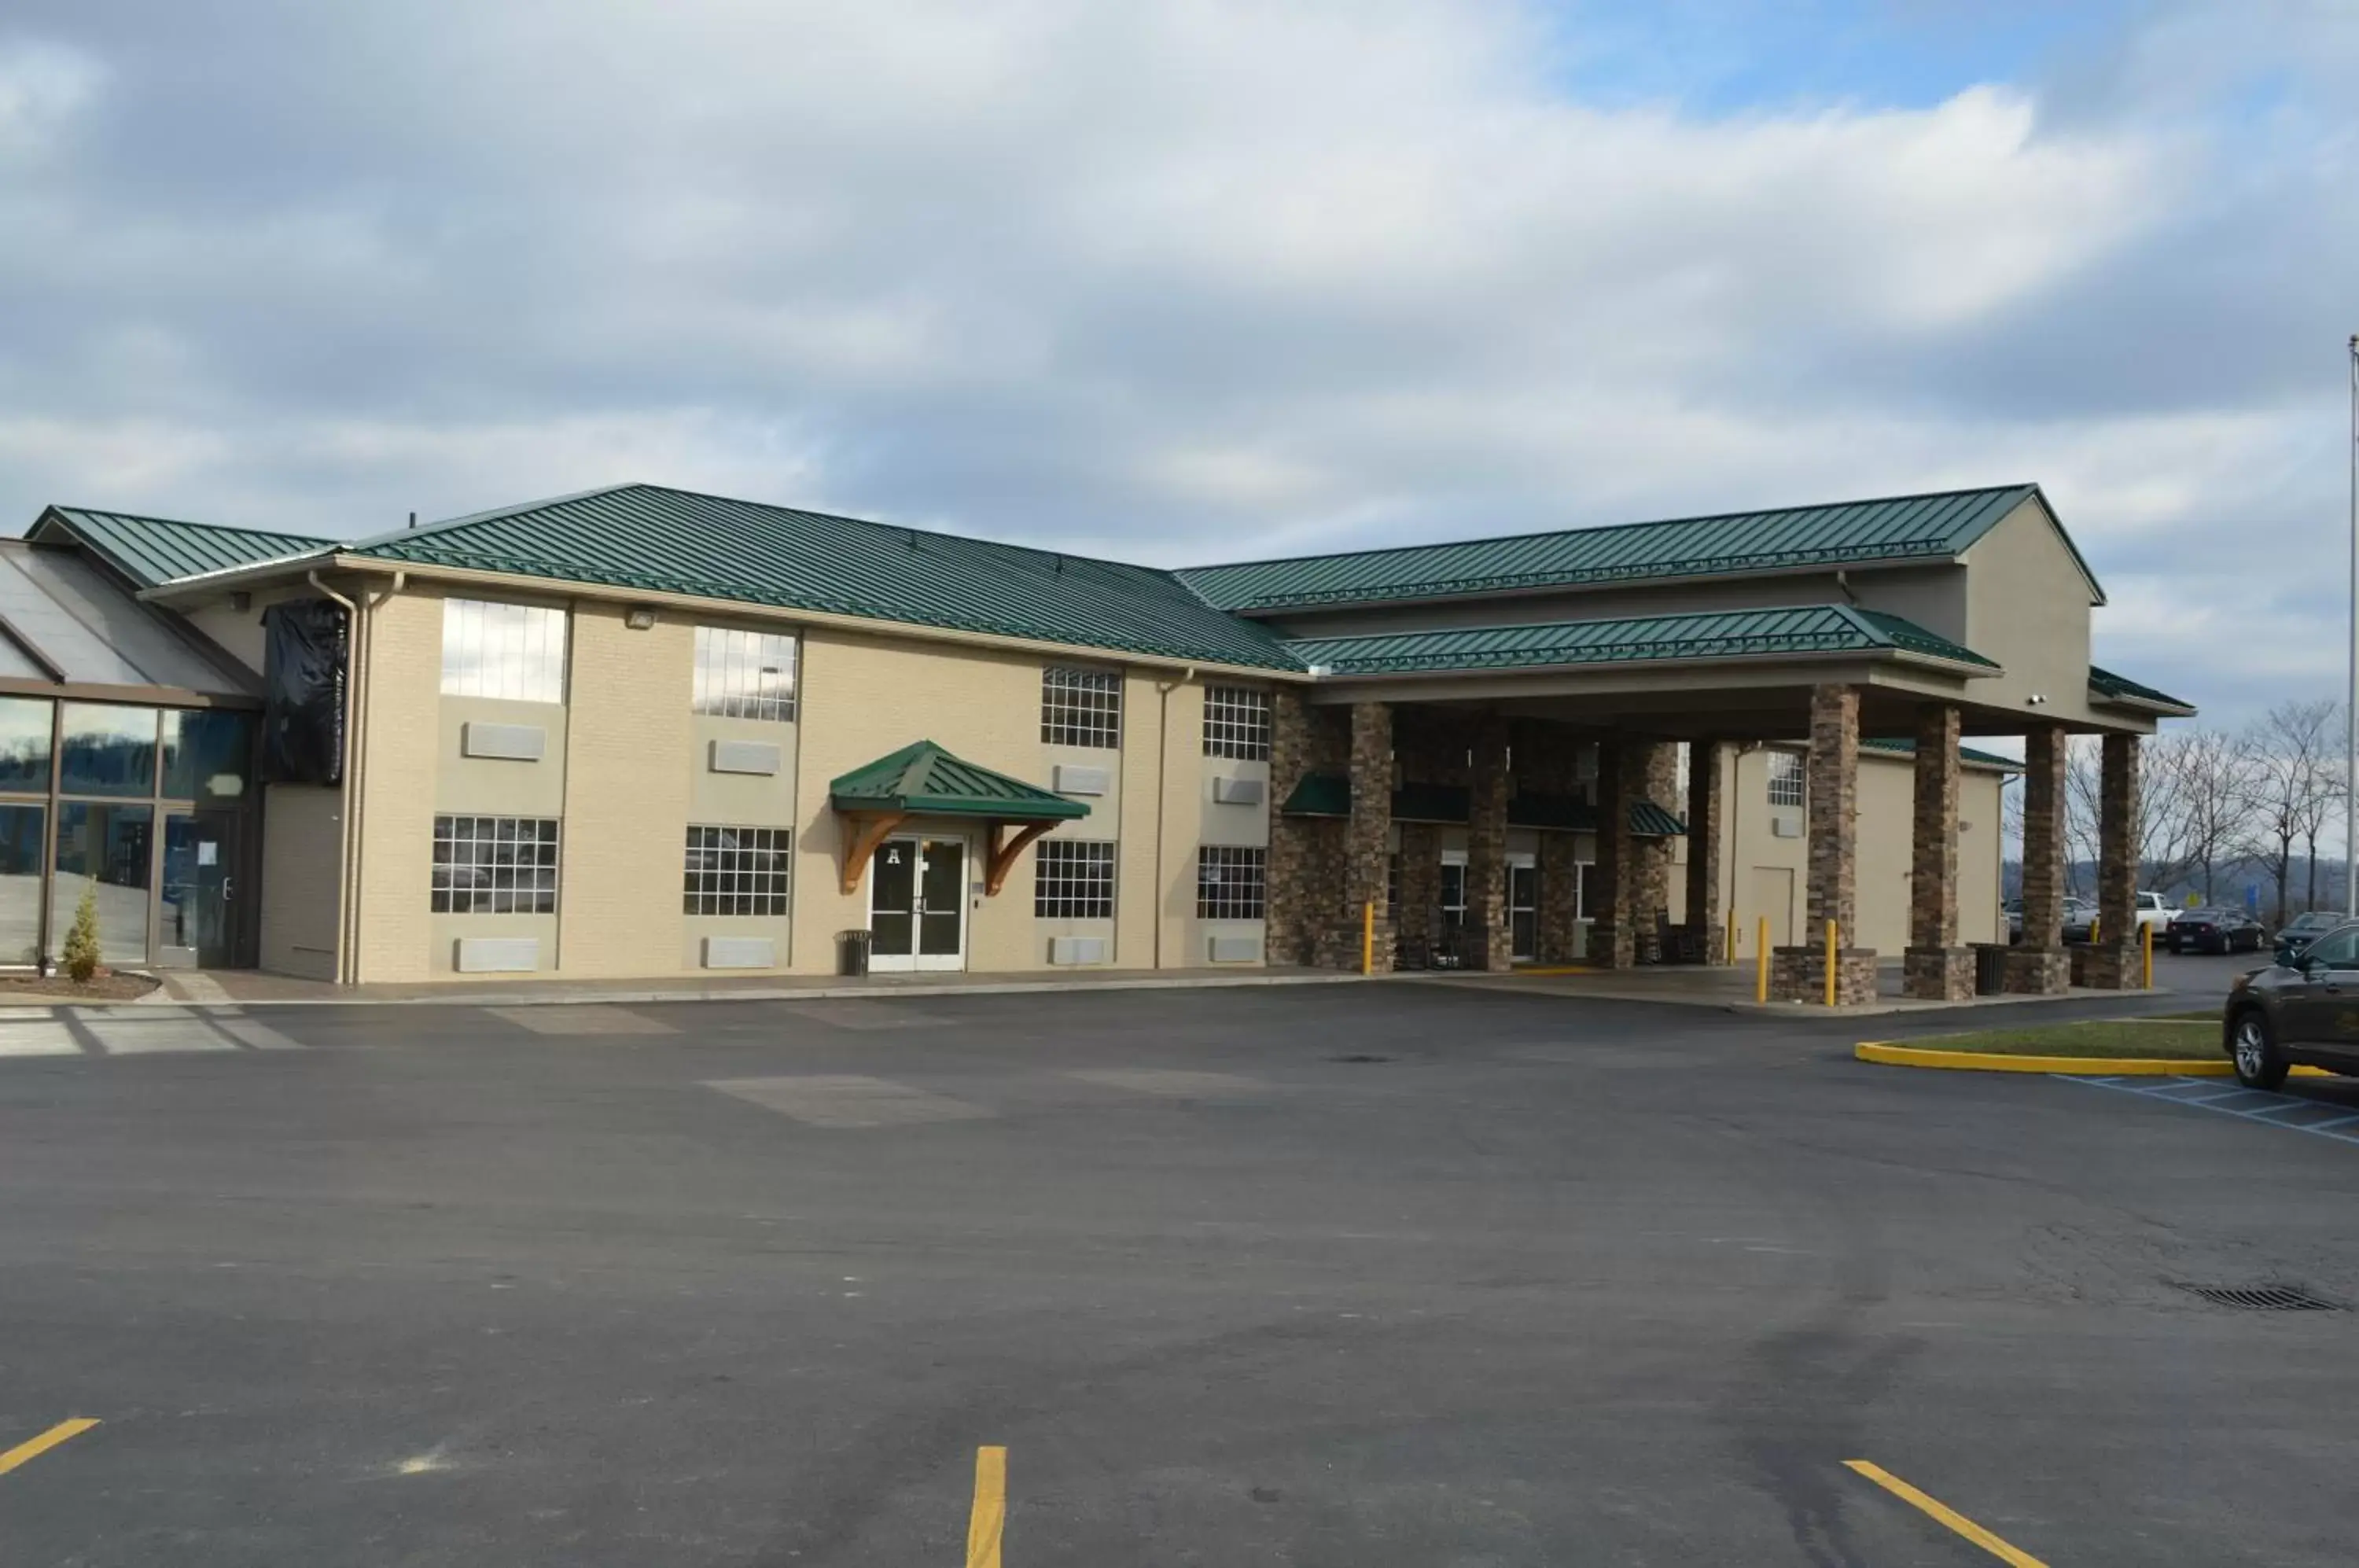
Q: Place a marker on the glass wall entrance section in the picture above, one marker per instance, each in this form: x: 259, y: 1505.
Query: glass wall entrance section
x: 109, y: 847
x: 21, y: 839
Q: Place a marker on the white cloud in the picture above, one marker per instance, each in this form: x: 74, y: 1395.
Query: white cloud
x: 1177, y: 279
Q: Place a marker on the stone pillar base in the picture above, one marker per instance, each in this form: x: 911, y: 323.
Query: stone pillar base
x: 1714, y: 939
x: 1938, y: 974
x: 1611, y: 947
x: 1800, y: 974
x: 1480, y: 952
x: 1339, y: 947
x: 2109, y: 966
x: 2038, y: 971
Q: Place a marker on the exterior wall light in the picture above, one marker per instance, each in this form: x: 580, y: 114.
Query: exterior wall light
x: 639, y: 619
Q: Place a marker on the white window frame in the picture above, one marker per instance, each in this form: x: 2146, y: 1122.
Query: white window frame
x: 513, y: 847
x: 1225, y: 860
x: 1076, y: 876
x: 738, y: 674
x: 514, y: 653
x: 750, y: 877
x: 1236, y: 722
x: 1789, y: 776
x: 1080, y: 707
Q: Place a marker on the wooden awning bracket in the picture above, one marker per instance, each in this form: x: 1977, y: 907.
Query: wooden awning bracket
x: 867, y: 832
x: 1000, y: 858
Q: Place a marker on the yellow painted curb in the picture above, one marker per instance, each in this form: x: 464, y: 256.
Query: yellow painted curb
x: 1893, y: 1055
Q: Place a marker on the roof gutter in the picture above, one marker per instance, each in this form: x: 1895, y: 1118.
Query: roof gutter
x: 1328, y: 675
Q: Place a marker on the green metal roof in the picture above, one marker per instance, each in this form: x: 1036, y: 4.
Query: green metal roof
x: 676, y: 542
x: 927, y: 779
x: 1329, y: 795
x: 149, y: 550
x: 1937, y: 526
x: 2109, y: 687
x: 1732, y: 634
x: 1966, y: 753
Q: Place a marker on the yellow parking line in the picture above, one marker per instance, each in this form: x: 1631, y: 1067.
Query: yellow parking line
x: 33, y: 1447
x: 1948, y: 1515
x: 990, y: 1514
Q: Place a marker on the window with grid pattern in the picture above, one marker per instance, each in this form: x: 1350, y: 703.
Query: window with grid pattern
x: 1236, y: 722
x: 745, y: 675
x: 494, y: 865
x: 1080, y: 707
x: 1229, y: 882
x: 1073, y: 879
x: 1786, y: 786
x: 515, y: 651
x: 736, y: 871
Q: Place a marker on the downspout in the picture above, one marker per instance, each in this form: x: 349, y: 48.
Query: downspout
x: 1735, y: 805
x: 1163, y: 690
x: 348, y: 864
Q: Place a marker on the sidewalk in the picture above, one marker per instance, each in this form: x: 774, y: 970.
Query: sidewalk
x: 251, y: 988
x: 1730, y: 988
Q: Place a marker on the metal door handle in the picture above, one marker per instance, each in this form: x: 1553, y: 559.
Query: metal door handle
x: 226, y: 883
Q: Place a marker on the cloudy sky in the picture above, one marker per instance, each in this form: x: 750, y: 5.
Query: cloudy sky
x: 1191, y: 280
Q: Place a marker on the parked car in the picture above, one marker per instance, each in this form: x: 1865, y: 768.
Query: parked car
x: 2305, y: 1013
x: 2080, y: 918
x: 2154, y: 909
x: 2304, y: 929
x: 2215, y: 930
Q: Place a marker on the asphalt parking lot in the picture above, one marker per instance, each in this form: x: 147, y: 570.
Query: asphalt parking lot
x: 1341, y: 1275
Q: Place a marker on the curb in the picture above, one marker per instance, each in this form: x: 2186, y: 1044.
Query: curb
x: 657, y: 997
x: 1892, y: 1055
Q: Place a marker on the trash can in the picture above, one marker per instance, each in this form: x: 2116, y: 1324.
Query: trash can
x: 851, y: 951
x: 1990, y: 968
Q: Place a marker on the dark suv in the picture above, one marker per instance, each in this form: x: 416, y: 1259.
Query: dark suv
x: 2306, y: 1011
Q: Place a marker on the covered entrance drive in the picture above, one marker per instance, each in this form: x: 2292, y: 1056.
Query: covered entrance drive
x: 908, y: 818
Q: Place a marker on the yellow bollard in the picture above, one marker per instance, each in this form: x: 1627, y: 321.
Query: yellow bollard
x: 1831, y: 963
x: 1731, y: 930
x: 1761, y: 962
x: 2095, y: 922
x: 1368, y: 937
x: 2146, y: 932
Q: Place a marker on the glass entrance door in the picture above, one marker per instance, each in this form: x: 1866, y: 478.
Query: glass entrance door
x: 197, y: 913
x: 916, y: 905
x: 1523, y: 906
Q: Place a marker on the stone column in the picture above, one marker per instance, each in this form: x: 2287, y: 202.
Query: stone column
x: 1559, y: 926
x: 1612, y: 926
x: 1419, y: 915
x: 1656, y: 778
x: 2114, y: 962
x: 1939, y: 970
x: 1367, y: 844
x: 1306, y: 854
x: 1798, y: 973
x: 1704, y: 850
x: 2039, y: 965
x: 1489, y: 944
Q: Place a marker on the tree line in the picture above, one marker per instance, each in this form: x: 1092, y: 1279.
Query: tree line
x: 2218, y: 806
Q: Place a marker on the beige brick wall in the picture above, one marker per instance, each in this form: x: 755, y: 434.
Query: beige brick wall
x: 625, y: 808
x: 399, y: 778
x: 302, y: 850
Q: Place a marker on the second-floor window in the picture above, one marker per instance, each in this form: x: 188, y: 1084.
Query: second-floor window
x: 745, y: 675
x: 1080, y: 707
x: 1236, y: 722
x: 511, y: 651
x: 1786, y: 786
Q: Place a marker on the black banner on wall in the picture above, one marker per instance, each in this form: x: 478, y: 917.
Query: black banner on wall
x: 307, y: 644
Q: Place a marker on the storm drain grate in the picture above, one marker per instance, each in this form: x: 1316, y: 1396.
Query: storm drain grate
x: 2264, y: 1298
x: 1359, y: 1059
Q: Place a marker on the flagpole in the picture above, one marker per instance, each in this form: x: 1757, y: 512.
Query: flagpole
x: 2351, y: 693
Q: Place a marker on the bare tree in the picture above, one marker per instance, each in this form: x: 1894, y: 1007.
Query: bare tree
x: 2210, y: 783
x: 2292, y: 780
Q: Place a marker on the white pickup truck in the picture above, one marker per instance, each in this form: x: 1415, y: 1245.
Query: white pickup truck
x: 2153, y: 909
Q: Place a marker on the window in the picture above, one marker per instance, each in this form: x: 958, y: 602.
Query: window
x: 1080, y: 707
x: 103, y: 847
x: 25, y: 744
x: 1236, y: 722
x: 1229, y: 881
x: 1785, y: 779
x: 2336, y: 950
x: 494, y: 865
x: 1072, y: 880
x: 745, y: 675
x: 207, y: 754
x: 108, y: 750
x: 1453, y: 894
x: 514, y: 651
x: 736, y: 871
